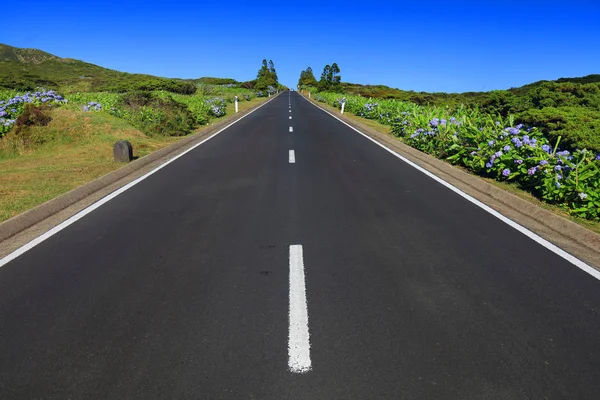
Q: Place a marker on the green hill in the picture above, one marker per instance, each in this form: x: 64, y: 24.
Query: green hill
x: 28, y: 69
x: 24, y: 56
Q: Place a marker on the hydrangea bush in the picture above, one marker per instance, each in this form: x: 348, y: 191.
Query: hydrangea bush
x: 492, y: 147
x: 12, y: 104
x: 216, y: 106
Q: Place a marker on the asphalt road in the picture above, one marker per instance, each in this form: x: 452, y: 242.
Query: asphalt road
x: 180, y: 287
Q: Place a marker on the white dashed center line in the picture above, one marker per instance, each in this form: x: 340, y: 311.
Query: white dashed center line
x: 298, y: 339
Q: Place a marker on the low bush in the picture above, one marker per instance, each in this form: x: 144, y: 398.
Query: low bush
x: 155, y: 115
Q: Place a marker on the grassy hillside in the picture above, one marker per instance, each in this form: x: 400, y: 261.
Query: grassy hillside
x: 59, y: 119
x: 28, y: 69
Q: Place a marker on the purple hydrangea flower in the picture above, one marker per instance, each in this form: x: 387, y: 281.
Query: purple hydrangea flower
x: 518, y: 162
x: 546, y: 148
x: 506, y: 149
x: 488, y: 165
x: 557, y: 168
x: 543, y: 162
x: 531, y: 171
x: 491, y: 143
x: 506, y: 172
x: 520, y: 126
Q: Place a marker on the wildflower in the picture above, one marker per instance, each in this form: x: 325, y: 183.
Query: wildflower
x: 520, y: 126
x: 497, y: 123
x: 557, y: 184
x: 531, y: 171
x: 543, y: 162
x: 513, y: 131
x: 518, y: 162
x: 506, y: 149
x: 557, y: 168
x: 498, y: 154
x: 583, y: 196
x: 506, y: 172
x: 559, y: 177
x: 546, y: 148
x: 488, y: 165
x: 442, y: 122
x: 597, y: 157
x: 491, y: 143
x: 434, y: 122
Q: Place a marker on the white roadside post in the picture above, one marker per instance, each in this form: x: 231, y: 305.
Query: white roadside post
x: 236, y: 104
x: 309, y: 95
x: 343, y: 104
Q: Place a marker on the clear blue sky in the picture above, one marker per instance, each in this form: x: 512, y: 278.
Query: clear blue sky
x: 427, y: 45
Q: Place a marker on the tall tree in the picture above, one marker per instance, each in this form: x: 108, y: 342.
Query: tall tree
x: 331, y: 79
x: 324, y: 81
x: 267, y: 77
x: 272, y: 71
x: 336, y: 78
x: 307, y: 78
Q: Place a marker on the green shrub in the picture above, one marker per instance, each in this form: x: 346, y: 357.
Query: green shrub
x: 579, y: 127
x: 155, y: 115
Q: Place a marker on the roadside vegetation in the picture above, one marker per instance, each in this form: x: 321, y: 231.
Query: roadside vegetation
x: 544, y: 138
x: 59, y: 119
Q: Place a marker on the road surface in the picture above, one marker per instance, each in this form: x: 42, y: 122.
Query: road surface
x: 292, y: 258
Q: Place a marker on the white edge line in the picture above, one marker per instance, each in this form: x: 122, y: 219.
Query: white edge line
x: 21, y: 250
x: 550, y: 246
x: 298, y: 337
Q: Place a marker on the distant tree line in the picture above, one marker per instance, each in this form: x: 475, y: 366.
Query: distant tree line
x: 331, y: 80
